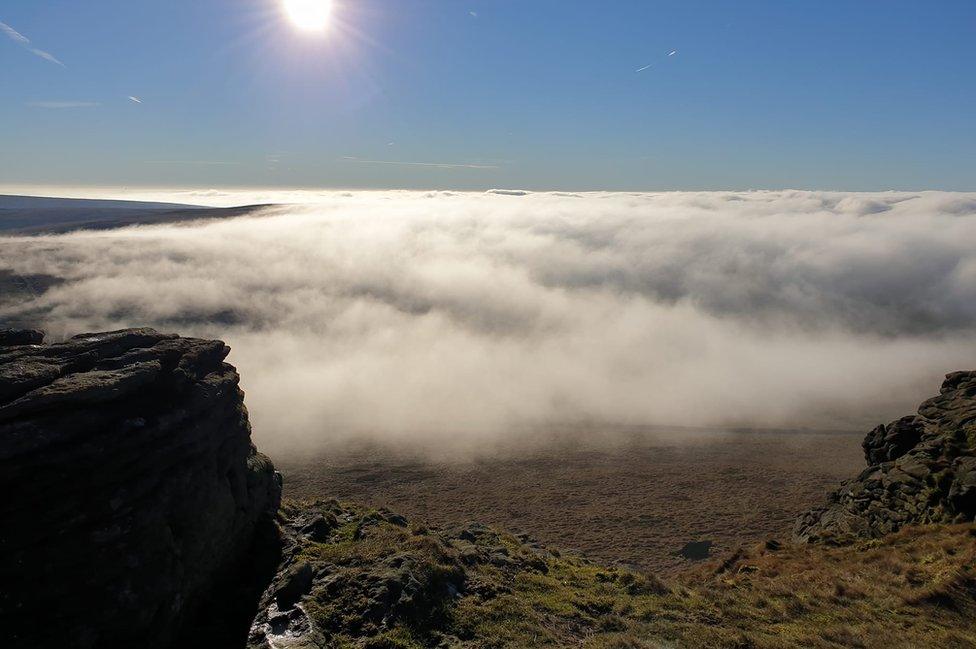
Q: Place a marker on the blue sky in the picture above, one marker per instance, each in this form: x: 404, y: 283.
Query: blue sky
x: 538, y: 94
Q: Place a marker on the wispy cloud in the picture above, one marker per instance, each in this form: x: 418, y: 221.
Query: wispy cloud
x: 135, y: 100
x: 47, y: 56
x: 63, y: 104
x: 473, y: 14
x: 216, y: 163
x: 25, y: 42
x: 439, y: 165
x: 13, y: 34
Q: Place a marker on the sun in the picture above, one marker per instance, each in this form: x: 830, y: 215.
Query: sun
x: 309, y: 15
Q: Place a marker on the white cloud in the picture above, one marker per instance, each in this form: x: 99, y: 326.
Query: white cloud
x: 467, y: 315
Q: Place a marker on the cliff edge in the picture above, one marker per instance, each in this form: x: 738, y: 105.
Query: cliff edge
x: 135, y: 510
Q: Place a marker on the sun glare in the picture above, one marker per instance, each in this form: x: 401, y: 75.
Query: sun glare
x: 309, y: 15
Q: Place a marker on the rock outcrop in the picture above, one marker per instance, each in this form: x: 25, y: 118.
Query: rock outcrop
x: 358, y: 577
x: 135, y: 511
x: 921, y: 469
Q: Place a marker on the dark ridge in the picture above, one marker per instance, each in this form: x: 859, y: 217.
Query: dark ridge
x: 60, y: 221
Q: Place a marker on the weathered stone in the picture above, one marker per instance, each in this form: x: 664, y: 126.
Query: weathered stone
x: 887, y: 443
x: 922, y: 469
x: 320, y: 527
x: 292, y: 585
x: 136, y: 511
x: 11, y: 337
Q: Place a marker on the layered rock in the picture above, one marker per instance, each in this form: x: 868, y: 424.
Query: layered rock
x: 921, y: 469
x: 135, y: 509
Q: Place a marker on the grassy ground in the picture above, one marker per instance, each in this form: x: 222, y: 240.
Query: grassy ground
x: 383, y: 583
x: 634, y: 497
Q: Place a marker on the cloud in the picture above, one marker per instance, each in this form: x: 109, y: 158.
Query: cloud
x: 464, y: 316
x: 25, y: 42
x: 135, y: 100
x: 439, y: 165
x: 508, y: 192
x: 63, y: 104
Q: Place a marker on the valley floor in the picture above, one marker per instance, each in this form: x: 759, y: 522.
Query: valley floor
x: 636, y: 501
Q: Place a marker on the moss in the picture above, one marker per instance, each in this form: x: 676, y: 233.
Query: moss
x: 485, y: 589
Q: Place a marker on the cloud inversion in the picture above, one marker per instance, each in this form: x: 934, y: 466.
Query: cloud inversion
x: 470, y: 315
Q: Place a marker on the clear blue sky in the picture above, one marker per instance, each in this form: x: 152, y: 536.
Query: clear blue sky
x: 845, y: 94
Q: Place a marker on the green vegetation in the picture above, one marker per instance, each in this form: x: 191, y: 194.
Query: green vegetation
x: 383, y: 584
x: 971, y: 436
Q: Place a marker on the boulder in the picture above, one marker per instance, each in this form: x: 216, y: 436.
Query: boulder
x: 135, y: 511
x: 887, y: 443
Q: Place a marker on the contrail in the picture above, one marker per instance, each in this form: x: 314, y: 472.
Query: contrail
x: 650, y: 65
x: 13, y: 34
x: 63, y: 104
x: 135, y: 99
x: 25, y: 42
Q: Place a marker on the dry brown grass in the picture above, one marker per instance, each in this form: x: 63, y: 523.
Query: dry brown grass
x: 916, y: 588
x: 637, y: 503
x: 913, y: 589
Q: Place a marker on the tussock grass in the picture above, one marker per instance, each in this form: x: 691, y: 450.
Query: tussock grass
x: 916, y: 588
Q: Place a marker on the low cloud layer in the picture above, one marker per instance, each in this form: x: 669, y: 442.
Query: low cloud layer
x: 468, y: 316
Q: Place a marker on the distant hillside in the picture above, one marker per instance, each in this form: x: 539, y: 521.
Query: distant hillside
x: 40, y: 215
x: 8, y: 201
